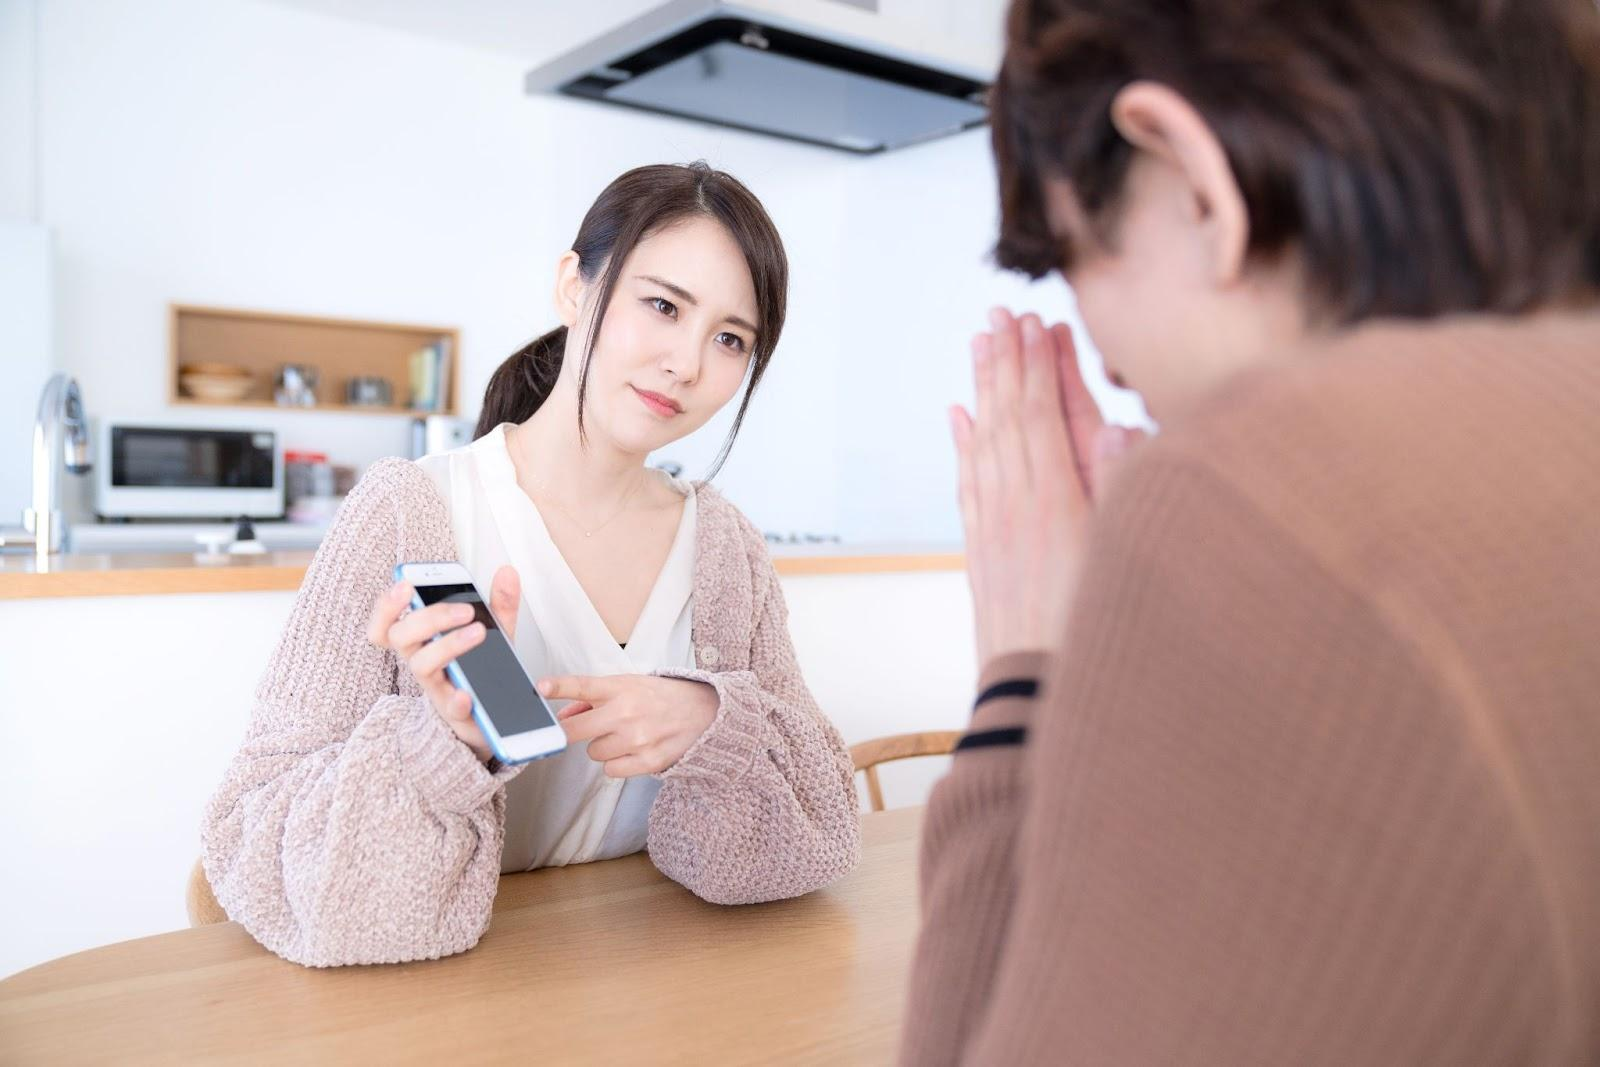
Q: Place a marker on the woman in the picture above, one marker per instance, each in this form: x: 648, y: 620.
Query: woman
x: 363, y: 820
x: 1287, y: 754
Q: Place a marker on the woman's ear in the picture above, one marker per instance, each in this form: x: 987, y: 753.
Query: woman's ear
x: 569, y: 289
x: 1157, y: 120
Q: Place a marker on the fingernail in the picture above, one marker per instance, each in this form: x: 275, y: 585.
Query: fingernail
x: 462, y: 611
x: 545, y: 687
x: 1031, y: 329
x: 999, y: 318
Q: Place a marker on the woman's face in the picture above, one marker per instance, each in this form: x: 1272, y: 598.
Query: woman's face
x: 676, y: 341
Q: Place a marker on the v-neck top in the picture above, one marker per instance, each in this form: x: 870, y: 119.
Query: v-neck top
x: 563, y: 809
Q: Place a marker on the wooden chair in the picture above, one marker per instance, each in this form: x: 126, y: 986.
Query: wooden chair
x: 869, y: 754
x: 200, y: 902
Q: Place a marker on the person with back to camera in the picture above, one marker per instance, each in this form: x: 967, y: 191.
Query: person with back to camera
x: 1287, y: 751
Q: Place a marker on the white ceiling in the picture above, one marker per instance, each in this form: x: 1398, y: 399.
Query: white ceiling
x: 530, y: 30
x: 536, y: 30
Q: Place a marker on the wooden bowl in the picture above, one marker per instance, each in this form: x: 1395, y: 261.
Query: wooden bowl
x: 216, y: 387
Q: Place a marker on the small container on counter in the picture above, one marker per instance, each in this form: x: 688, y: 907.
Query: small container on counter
x: 310, y: 486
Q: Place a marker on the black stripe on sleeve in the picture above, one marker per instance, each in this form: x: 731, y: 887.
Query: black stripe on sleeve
x: 1010, y: 735
x: 1010, y: 687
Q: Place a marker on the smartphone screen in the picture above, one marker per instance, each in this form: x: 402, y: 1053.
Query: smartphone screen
x: 498, y: 680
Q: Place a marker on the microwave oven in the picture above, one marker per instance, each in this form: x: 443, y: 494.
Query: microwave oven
x: 187, y: 472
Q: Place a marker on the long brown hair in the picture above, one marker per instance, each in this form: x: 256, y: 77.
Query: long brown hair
x: 639, y: 203
x: 1423, y: 156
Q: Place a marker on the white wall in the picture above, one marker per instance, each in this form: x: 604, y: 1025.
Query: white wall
x: 120, y: 713
x: 17, y: 108
x: 26, y: 311
x: 918, y: 271
x: 26, y: 350
x: 244, y: 154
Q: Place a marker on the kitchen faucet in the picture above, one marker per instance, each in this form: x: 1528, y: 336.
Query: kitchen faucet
x: 60, y: 439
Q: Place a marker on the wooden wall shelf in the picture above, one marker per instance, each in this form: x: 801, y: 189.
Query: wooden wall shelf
x: 260, y: 342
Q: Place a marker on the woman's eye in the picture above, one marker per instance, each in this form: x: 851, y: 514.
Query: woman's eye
x: 731, y: 340
x: 666, y: 307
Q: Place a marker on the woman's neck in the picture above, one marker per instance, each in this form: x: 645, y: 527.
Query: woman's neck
x: 553, y: 463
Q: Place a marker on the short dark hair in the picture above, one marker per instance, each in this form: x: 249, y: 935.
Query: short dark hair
x: 1423, y: 156
x: 641, y: 202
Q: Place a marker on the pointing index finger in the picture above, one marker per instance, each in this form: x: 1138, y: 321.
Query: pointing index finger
x: 585, y: 688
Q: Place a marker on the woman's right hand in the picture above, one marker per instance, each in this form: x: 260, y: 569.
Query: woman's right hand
x: 409, y: 633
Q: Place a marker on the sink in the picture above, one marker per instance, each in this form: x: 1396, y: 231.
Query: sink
x: 15, y: 540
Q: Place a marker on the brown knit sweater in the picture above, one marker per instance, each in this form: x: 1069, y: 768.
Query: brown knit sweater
x: 1315, y: 778
x: 354, y: 827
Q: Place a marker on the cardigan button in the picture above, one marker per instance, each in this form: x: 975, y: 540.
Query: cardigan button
x: 709, y: 656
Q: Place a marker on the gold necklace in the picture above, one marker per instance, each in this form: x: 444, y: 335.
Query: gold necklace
x: 574, y: 519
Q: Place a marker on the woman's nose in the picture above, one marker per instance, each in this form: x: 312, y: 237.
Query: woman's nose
x: 683, y: 363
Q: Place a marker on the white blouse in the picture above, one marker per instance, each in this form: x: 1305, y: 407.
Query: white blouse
x: 563, y: 809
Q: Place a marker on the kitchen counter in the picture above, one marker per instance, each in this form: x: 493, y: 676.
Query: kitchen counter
x: 143, y: 574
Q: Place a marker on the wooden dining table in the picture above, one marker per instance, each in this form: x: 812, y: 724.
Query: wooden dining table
x: 604, y: 962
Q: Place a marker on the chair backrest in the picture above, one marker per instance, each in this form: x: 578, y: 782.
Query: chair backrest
x: 869, y: 754
x: 200, y: 902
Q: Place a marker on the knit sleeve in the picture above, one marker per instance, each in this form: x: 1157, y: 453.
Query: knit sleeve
x: 763, y: 805
x: 1251, y: 829
x: 353, y: 826
x: 968, y: 852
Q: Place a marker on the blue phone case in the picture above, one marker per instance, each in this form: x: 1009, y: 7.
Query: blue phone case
x: 459, y: 679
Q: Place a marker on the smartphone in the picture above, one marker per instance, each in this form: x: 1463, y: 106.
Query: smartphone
x: 508, y: 709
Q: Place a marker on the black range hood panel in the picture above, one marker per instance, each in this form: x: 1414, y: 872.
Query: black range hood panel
x: 773, y: 80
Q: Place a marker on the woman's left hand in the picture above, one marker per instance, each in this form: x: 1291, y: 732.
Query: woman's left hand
x: 634, y: 723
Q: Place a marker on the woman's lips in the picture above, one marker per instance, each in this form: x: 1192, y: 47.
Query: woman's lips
x: 664, y: 406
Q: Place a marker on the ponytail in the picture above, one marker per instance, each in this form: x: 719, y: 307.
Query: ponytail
x: 522, y: 382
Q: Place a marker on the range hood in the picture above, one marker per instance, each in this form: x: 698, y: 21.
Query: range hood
x: 827, y: 72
